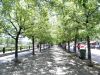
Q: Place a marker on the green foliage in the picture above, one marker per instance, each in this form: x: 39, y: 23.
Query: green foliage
x: 74, y: 17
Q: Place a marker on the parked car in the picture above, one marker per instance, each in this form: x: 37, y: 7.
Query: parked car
x: 92, y: 44
x: 81, y: 46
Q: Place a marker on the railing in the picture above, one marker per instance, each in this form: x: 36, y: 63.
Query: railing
x: 5, y: 49
x: 20, y: 48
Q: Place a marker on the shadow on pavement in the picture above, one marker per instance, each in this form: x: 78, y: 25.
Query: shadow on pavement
x: 54, y: 61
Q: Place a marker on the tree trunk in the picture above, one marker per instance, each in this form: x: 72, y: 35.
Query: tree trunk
x: 46, y: 46
x: 43, y: 46
x: 65, y: 46
x: 16, y: 48
x: 33, y: 45
x: 40, y: 47
x: 89, y: 50
x: 16, y: 45
x: 68, y: 46
x: 75, y: 42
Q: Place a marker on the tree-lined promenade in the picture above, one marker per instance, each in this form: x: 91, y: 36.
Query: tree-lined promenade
x: 47, y: 22
x: 54, y: 61
x: 28, y: 20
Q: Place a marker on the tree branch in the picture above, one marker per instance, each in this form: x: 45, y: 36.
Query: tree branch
x: 5, y: 29
x: 19, y: 32
x: 93, y: 11
x: 13, y: 25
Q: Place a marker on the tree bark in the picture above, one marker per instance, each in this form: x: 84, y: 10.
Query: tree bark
x: 65, y: 46
x: 33, y: 45
x: 75, y: 42
x: 40, y: 47
x: 16, y: 48
x: 44, y: 46
x: 68, y: 46
x: 16, y: 45
x: 89, y: 50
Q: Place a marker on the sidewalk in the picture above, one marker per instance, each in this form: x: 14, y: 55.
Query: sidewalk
x: 12, y: 52
x: 54, y: 61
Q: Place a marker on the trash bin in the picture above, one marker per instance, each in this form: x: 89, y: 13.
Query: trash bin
x: 82, y: 53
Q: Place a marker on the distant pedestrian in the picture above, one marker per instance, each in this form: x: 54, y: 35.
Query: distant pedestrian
x: 3, y: 49
x: 78, y: 46
x: 20, y: 48
x: 29, y: 47
x: 37, y: 45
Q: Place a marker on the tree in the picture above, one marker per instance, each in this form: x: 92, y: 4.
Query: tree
x: 91, y: 16
x: 38, y: 22
x: 14, y: 18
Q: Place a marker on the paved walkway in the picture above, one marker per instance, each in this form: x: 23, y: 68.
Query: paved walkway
x: 12, y: 52
x: 49, y: 62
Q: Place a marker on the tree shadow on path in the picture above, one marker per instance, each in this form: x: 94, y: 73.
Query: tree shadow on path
x: 53, y: 61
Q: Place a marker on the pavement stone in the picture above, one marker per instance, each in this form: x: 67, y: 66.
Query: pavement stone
x: 54, y: 61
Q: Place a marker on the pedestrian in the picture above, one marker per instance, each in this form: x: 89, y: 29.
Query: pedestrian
x: 29, y: 47
x: 78, y: 46
x: 37, y: 45
x: 3, y: 50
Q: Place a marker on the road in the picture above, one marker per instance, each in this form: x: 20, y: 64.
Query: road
x: 95, y: 54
